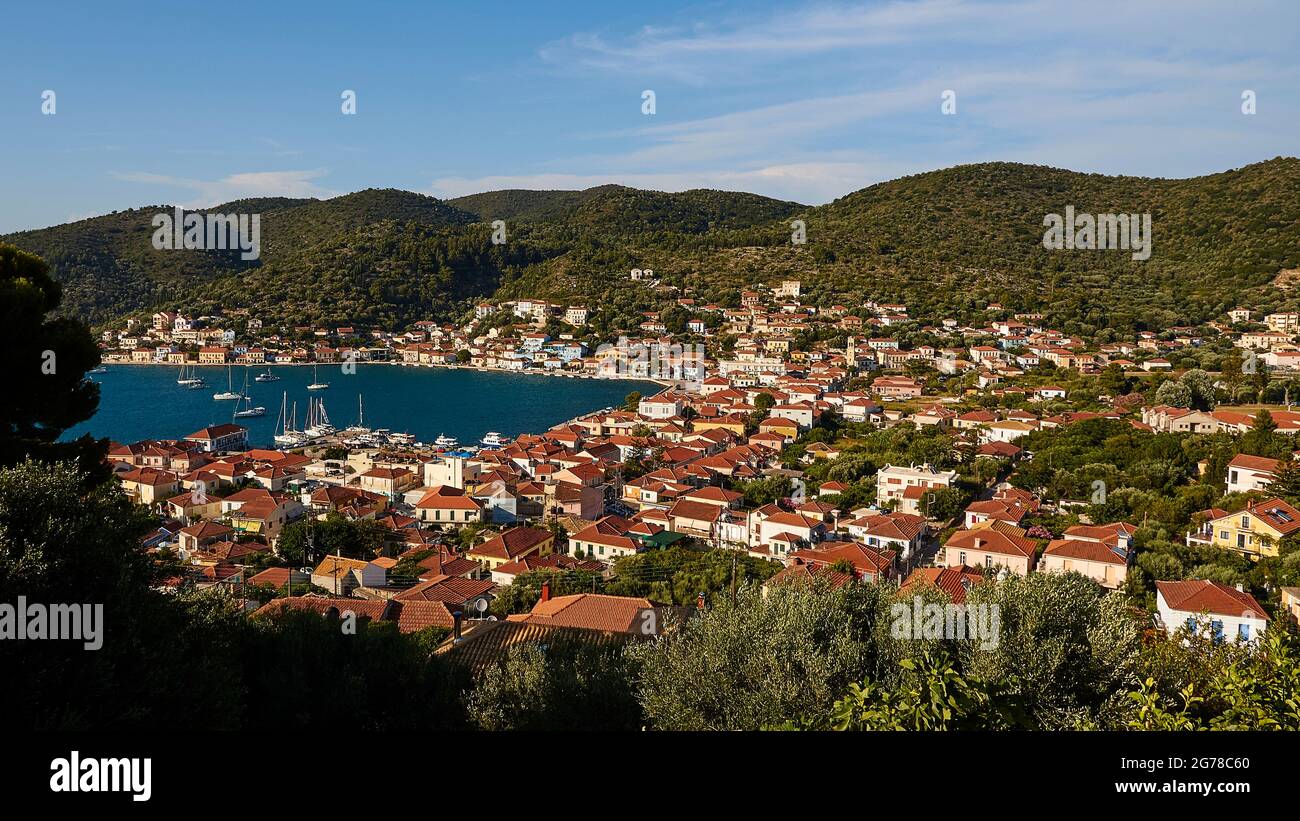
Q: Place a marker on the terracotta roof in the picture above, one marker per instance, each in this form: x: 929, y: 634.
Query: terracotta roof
x: 991, y: 540
x: 593, y: 611
x: 1086, y: 550
x: 512, y: 543
x: 951, y: 580
x: 484, y: 643
x: 1203, y: 596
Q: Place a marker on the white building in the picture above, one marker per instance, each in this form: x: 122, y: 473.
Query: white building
x: 1210, y: 608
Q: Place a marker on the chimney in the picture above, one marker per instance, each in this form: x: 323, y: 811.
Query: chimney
x: 546, y: 590
x: 979, y: 542
x: 455, y: 627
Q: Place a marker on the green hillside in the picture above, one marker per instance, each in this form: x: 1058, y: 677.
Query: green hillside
x: 945, y: 242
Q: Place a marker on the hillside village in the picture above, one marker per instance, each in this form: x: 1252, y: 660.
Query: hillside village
x: 807, y: 444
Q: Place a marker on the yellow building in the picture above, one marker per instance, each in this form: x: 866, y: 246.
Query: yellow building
x: 511, y: 545
x: 1256, y: 530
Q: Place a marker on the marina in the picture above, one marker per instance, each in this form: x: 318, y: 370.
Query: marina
x: 376, y: 405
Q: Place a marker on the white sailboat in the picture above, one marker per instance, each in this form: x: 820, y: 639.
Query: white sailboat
x: 250, y: 410
x: 228, y: 394
x: 188, y: 378
x: 318, y: 421
x: 316, y: 384
x: 360, y: 426
x: 286, y: 424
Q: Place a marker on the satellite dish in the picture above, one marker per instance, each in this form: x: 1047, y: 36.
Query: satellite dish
x: 491, y: 618
x: 481, y: 605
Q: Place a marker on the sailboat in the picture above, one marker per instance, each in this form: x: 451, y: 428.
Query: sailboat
x: 250, y: 410
x: 187, y: 378
x: 316, y: 384
x: 318, y: 421
x: 286, y: 424
x: 360, y: 426
x: 229, y: 393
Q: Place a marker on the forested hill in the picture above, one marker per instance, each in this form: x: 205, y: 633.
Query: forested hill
x: 945, y: 242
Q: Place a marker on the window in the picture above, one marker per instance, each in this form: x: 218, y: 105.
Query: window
x: 1191, y: 623
x: 988, y: 561
x: 962, y: 557
x: 1216, y: 627
x: 1243, y: 632
x: 1245, y: 522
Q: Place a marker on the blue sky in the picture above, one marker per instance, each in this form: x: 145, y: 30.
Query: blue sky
x: 202, y: 103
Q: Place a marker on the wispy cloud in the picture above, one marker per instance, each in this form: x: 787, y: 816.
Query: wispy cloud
x: 234, y: 186
x: 853, y: 92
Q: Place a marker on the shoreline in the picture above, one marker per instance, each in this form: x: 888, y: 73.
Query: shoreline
x: 663, y: 383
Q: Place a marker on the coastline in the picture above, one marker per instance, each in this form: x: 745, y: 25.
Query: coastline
x: 663, y: 383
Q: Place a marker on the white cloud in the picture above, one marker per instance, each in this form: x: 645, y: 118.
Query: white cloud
x: 234, y: 186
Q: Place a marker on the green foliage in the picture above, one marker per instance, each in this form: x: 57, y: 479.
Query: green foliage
x: 46, y: 391
x: 945, y: 243
x: 309, y: 541
x: 763, y: 661
x: 559, y: 687
x: 678, y: 575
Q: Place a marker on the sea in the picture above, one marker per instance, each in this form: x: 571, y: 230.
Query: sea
x: 145, y: 402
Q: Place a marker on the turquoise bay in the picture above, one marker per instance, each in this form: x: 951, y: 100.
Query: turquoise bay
x: 144, y: 401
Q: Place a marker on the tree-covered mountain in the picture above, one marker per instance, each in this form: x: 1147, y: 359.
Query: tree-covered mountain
x: 945, y: 242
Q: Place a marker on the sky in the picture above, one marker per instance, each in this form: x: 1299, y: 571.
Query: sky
x: 199, y: 104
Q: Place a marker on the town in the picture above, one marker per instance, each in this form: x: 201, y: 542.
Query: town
x: 808, y: 443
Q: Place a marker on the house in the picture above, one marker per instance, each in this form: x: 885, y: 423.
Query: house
x: 594, y: 611
x: 149, y: 486
x: 1105, y: 564
x: 448, y: 505
x: 896, y: 387
x: 511, y: 545
x: 409, y: 616
x: 606, y: 540
x: 200, y: 535
x: 954, y: 581
x: 900, y: 532
x: 868, y: 563
x: 466, y: 595
x: 1247, y: 473
x: 1256, y: 530
x: 1291, y: 602
x: 1209, y: 608
x: 340, y: 575
x: 991, y: 547
x: 389, y: 482
x: 892, y: 482
x: 220, y: 438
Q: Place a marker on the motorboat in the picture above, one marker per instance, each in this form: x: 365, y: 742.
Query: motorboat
x: 494, y: 440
